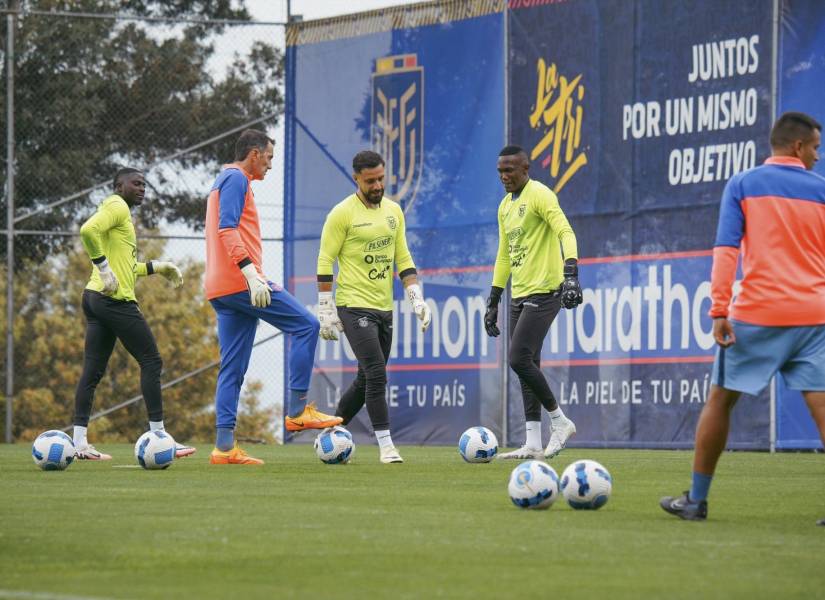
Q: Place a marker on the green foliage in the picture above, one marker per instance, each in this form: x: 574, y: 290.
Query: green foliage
x: 434, y: 527
x: 94, y: 94
x: 49, y: 332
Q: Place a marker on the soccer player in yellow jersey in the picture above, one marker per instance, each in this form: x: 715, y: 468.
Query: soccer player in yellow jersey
x: 365, y: 233
x: 112, y: 311
x: 537, y: 247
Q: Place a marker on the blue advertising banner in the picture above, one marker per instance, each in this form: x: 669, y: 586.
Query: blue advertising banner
x: 801, y: 77
x: 636, y: 114
x: 423, y: 86
x: 631, y: 365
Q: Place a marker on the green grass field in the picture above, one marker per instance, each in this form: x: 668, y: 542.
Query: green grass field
x: 432, y: 527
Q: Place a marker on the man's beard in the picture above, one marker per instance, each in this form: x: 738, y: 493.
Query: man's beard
x: 374, y: 198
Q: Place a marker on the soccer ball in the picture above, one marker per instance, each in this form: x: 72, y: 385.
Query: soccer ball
x: 334, y: 445
x: 155, y: 450
x: 586, y: 485
x: 478, y: 445
x: 533, y: 484
x: 53, y: 450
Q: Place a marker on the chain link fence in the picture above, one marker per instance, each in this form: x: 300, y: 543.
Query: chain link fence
x: 83, y: 94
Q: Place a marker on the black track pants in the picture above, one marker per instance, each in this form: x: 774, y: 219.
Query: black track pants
x: 369, y: 332
x: 530, y: 320
x: 108, y: 320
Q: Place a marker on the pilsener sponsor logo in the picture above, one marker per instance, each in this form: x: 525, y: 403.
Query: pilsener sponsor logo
x: 378, y: 243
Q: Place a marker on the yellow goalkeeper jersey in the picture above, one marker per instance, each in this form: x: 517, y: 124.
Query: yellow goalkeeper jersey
x: 110, y: 233
x: 366, y: 242
x: 534, y: 238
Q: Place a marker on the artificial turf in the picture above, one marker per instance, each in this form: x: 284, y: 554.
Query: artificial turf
x: 431, y: 527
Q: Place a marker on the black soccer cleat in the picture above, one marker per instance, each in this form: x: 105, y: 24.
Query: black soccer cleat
x: 684, y: 508
x: 821, y: 522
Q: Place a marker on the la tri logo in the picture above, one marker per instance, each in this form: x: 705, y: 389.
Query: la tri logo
x: 398, y: 124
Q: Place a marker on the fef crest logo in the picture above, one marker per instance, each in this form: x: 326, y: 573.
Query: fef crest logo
x: 398, y: 124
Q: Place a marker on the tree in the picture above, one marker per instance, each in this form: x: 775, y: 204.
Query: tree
x: 49, y: 333
x: 94, y: 94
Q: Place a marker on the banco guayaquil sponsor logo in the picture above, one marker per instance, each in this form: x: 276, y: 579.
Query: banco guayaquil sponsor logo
x: 398, y: 124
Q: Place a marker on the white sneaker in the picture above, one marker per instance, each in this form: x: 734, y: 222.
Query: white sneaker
x: 89, y: 452
x: 558, y: 438
x: 390, y: 455
x: 523, y: 453
x: 181, y: 450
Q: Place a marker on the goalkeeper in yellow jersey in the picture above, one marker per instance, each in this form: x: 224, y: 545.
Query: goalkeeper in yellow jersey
x: 111, y: 309
x: 365, y: 233
x: 537, y: 247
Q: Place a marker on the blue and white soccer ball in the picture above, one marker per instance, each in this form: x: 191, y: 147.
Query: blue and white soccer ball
x: 155, y: 450
x: 334, y: 445
x: 586, y: 485
x: 533, y: 484
x: 53, y: 450
x: 478, y: 445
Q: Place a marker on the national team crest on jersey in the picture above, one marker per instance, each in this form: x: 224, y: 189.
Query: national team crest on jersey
x: 398, y: 124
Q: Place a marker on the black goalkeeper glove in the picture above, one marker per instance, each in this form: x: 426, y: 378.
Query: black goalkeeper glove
x: 571, y: 290
x: 491, y: 316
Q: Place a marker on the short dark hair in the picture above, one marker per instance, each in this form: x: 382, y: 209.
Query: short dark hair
x: 512, y: 150
x: 249, y: 140
x: 792, y: 126
x: 366, y: 159
x: 122, y: 173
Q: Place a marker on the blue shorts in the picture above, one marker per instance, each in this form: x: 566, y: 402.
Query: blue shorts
x: 798, y: 353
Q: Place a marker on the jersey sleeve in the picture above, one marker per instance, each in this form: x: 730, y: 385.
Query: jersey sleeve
x: 731, y: 226
x: 501, y: 271
x: 403, y: 259
x: 547, y: 207
x: 332, y: 239
x: 142, y: 269
x: 232, y: 198
x: 109, y: 215
x: 729, y: 235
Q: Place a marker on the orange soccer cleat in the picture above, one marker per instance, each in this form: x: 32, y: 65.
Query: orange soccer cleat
x: 311, y: 418
x: 236, y: 456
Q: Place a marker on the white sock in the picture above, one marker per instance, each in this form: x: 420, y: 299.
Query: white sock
x: 556, y: 416
x: 384, y: 438
x: 156, y: 426
x: 79, y: 437
x: 533, y: 434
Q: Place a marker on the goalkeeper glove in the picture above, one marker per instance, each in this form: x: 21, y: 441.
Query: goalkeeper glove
x: 491, y: 316
x: 108, y: 277
x: 259, y: 294
x: 419, y: 307
x: 571, y: 290
x: 328, y: 317
x: 168, y: 271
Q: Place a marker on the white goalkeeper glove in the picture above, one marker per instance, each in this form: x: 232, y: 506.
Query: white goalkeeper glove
x: 168, y: 271
x: 108, y: 277
x: 420, y: 308
x: 259, y: 293
x: 328, y: 317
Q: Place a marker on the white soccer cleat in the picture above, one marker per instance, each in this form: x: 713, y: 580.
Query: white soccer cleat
x: 89, y: 452
x: 390, y: 455
x: 558, y: 438
x: 523, y: 453
x: 181, y: 450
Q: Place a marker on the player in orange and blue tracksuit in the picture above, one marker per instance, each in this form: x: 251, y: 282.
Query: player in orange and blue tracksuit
x: 241, y: 295
x: 774, y: 216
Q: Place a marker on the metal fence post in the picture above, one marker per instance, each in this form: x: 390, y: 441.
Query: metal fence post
x: 10, y: 18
